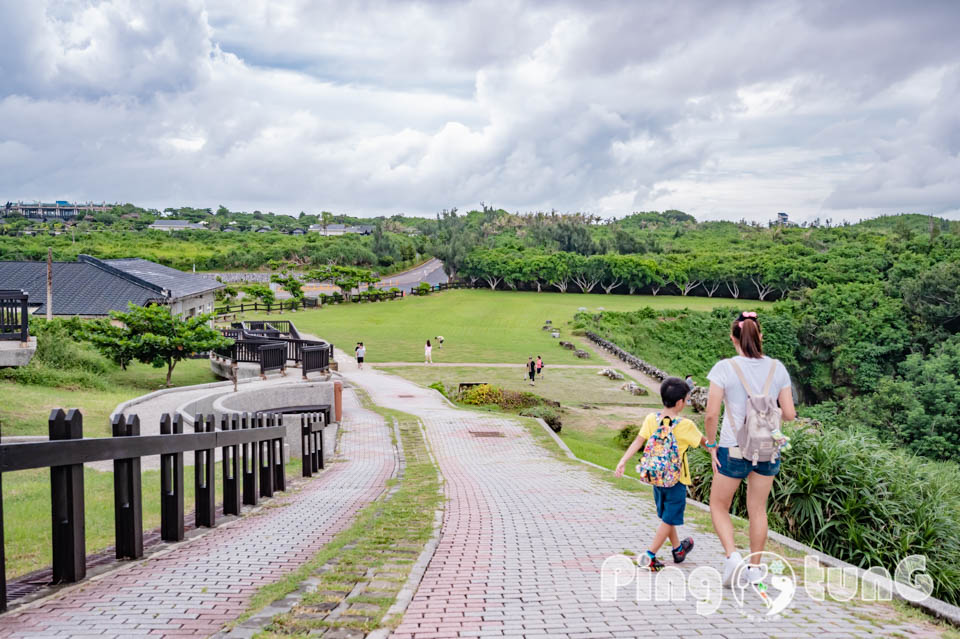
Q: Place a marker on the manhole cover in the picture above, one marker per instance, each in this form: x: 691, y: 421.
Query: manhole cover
x: 404, y: 395
x: 485, y: 433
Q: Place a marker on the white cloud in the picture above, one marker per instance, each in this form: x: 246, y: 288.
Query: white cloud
x: 369, y: 107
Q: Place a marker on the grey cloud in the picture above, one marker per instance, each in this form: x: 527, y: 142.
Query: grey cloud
x: 724, y: 109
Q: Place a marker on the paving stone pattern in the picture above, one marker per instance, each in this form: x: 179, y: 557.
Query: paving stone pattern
x: 524, y: 536
x: 198, y: 586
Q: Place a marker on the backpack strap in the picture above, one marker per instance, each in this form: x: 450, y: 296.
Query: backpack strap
x: 769, y: 382
x: 743, y: 380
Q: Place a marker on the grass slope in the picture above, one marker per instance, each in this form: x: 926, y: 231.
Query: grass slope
x: 25, y: 408
x: 564, y: 385
x: 478, y: 325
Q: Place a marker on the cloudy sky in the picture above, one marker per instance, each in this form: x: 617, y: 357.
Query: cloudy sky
x: 726, y: 110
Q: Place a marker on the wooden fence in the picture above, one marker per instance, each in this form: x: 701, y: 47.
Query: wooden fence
x: 252, y: 453
x: 13, y: 315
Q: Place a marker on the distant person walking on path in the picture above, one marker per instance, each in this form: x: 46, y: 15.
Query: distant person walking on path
x: 428, y: 353
x: 539, y: 367
x: 531, y: 370
x: 690, y: 383
x: 750, y: 386
x: 361, y: 353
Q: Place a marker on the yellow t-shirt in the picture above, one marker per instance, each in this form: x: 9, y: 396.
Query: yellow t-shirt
x: 687, y: 435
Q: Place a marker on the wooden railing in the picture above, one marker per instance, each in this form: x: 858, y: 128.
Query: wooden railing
x: 13, y: 315
x: 316, y: 358
x: 252, y: 468
x: 311, y: 440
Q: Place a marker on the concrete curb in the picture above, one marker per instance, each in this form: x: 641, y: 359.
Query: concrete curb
x: 936, y: 607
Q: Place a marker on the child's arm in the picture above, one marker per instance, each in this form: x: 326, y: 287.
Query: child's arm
x: 634, y: 447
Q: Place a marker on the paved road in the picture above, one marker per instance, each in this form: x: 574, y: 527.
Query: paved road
x: 198, y: 586
x: 430, y: 272
x: 525, y: 533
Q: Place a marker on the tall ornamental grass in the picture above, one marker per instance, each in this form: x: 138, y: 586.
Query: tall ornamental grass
x: 861, y: 500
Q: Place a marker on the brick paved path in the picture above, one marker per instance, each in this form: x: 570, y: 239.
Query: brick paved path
x: 524, y: 535
x: 198, y: 586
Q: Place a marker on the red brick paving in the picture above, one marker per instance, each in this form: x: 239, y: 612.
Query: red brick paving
x: 194, y: 589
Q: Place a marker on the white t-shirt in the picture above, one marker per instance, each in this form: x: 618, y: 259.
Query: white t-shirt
x: 735, y: 396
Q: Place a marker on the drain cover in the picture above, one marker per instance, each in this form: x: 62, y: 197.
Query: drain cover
x: 404, y: 395
x: 485, y: 433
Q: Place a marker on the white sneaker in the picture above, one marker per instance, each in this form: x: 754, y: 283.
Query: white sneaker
x: 730, y: 566
x: 754, y: 574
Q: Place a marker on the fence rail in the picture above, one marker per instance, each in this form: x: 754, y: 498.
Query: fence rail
x: 252, y: 468
x: 13, y: 315
x: 258, y: 341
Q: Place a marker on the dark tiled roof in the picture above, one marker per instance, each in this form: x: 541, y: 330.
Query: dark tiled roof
x: 179, y: 284
x: 79, y: 288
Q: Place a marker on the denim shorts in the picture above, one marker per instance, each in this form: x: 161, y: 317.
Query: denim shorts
x: 740, y: 468
x: 671, y: 503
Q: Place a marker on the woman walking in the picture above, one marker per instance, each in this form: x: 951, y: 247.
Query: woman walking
x: 731, y: 382
x: 428, y: 353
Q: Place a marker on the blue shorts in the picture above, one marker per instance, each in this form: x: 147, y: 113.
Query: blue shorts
x: 671, y: 503
x: 740, y: 468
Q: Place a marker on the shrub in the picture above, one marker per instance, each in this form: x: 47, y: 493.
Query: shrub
x: 61, y: 361
x: 487, y: 394
x: 482, y: 395
x: 547, y: 413
x: 438, y: 386
x: 850, y: 495
x: 626, y: 435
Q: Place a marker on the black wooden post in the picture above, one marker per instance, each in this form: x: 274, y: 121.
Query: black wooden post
x: 250, y: 466
x: 323, y: 427
x: 305, y: 440
x: 3, y: 559
x: 266, y: 461
x: 314, y: 444
x: 279, y: 471
x: 66, y: 497
x: 127, y: 498
x: 203, y: 468
x: 171, y: 483
x: 231, y: 469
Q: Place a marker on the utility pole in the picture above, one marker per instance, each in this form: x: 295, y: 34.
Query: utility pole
x: 49, y: 284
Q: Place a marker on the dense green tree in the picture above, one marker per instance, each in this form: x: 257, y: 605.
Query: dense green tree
x: 153, y: 335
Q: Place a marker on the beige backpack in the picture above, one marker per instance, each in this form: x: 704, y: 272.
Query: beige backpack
x: 755, y: 438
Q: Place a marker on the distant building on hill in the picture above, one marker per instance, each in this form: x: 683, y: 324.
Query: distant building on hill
x: 783, y: 219
x: 61, y: 209
x: 341, y: 229
x: 177, y: 225
x: 91, y: 287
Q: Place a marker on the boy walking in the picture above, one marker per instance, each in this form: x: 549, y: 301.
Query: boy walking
x: 664, y: 465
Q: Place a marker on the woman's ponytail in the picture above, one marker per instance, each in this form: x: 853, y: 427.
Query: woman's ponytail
x: 746, y: 330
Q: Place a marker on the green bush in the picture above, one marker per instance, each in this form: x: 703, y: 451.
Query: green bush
x: 61, y: 361
x: 626, y: 435
x: 487, y: 394
x: 847, y: 493
x: 438, y: 386
x: 919, y: 408
x: 547, y: 413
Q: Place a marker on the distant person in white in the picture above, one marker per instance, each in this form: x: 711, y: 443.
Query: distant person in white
x: 428, y: 353
x: 729, y: 468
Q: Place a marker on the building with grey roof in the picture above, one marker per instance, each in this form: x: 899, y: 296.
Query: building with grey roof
x: 91, y: 287
x: 177, y: 225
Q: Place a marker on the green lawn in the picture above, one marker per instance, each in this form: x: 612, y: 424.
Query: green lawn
x: 25, y: 408
x: 564, y: 385
x: 478, y: 325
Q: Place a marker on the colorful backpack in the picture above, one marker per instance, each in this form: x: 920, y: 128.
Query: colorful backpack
x: 660, y: 463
